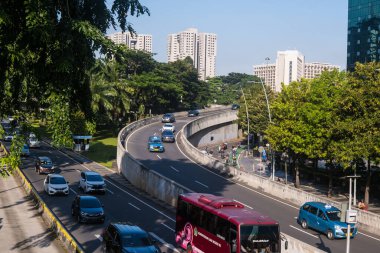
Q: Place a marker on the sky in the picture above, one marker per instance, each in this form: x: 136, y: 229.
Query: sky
x: 248, y: 31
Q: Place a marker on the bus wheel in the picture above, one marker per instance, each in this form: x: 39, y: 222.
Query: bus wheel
x: 189, y: 249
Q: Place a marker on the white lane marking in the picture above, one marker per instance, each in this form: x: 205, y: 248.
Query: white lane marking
x: 159, y: 157
x: 163, y: 242
x: 110, y: 191
x: 377, y: 239
x: 201, y: 184
x: 303, y: 231
x: 174, y: 168
x: 136, y: 198
x: 133, y: 196
x: 100, y: 238
x: 78, y: 170
x: 262, y: 194
x: 134, y: 206
x: 163, y: 224
x: 73, y: 191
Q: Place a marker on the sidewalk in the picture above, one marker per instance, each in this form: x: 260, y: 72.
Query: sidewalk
x: 253, y: 165
x: 21, y: 227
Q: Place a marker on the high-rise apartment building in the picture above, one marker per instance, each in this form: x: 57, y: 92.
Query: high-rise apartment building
x: 200, y: 47
x: 363, y: 32
x: 141, y: 42
x: 290, y: 66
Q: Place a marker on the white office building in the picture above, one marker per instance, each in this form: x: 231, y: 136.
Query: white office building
x: 141, y: 42
x: 290, y: 66
x: 200, y: 47
x: 315, y: 69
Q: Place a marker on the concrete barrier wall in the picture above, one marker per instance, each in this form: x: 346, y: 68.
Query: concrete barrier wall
x: 142, y: 177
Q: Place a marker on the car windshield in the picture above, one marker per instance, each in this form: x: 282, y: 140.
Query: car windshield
x: 45, y: 162
x: 136, y: 240
x: 57, y: 180
x: 155, y: 140
x: 90, y: 203
x: 168, y: 125
x: 33, y: 139
x: 259, y: 238
x: 333, y: 215
x: 167, y: 132
x: 94, y: 178
x: 167, y: 115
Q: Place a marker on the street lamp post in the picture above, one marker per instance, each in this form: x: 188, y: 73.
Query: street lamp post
x: 349, y: 211
x: 270, y: 121
x: 246, y: 110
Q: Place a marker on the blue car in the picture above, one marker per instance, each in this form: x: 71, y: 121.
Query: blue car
x: 25, y: 150
x: 324, y: 218
x: 167, y: 136
x: 155, y: 144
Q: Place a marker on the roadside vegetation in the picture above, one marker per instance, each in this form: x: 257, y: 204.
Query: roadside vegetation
x: 60, y: 76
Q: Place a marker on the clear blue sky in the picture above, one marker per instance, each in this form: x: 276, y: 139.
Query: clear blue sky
x: 248, y: 31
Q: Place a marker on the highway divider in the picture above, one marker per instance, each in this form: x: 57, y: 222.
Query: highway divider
x: 48, y: 216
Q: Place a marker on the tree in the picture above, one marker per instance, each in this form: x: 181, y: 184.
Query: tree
x: 48, y: 48
x: 357, y: 112
x: 288, y: 132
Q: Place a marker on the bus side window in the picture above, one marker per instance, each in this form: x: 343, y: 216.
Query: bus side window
x: 195, y: 215
x: 182, y: 208
x: 222, y: 227
x: 208, y: 222
x: 232, y: 241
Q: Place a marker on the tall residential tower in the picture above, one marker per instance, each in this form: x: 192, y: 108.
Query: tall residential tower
x: 141, y: 42
x: 200, y: 47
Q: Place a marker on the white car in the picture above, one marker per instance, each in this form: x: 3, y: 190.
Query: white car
x: 168, y: 126
x: 91, y: 181
x: 34, y: 142
x: 56, y: 184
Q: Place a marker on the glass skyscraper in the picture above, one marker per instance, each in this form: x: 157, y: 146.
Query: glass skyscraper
x: 363, y: 39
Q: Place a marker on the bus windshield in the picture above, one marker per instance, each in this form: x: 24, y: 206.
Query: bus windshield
x: 259, y: 239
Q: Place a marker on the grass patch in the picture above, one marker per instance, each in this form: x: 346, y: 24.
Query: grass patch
x: 103, y: 148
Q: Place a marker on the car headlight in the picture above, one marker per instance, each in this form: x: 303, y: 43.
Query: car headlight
x: 151, y: 146
x: 337, y: 227
x: 83, y: 213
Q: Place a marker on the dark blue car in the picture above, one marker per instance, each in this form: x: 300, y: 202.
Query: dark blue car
x: 123, y: 237
x: 167, y: 136
x: 87, y: 208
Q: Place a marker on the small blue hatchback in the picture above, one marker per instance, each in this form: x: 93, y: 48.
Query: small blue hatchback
x: 324, y: 218
x: 155, y: 144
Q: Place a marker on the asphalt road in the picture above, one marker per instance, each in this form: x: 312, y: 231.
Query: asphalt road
x: 120, y: 202
x: 176, y: 165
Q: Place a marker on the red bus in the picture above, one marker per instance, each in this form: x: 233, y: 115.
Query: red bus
x: 206, y: 223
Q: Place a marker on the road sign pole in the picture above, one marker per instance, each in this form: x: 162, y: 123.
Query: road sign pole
x: 348, y: 224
